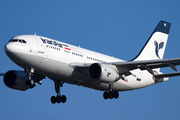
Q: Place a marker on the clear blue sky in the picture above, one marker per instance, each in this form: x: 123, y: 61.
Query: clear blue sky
x: 116, y: 28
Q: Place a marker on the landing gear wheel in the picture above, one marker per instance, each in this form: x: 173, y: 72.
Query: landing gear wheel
x: 58, y: 99
x: 106, y: 95
x: 116, y: 94
x: 30, y: 83
x: 110, y: 95
x: 53, y: 100
x: 63, y: 98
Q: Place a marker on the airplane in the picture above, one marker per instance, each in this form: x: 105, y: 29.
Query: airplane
x: 42, y: 57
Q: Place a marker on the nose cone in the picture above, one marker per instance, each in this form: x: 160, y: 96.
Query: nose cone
x: 9, y: 47
x: 13, y: 50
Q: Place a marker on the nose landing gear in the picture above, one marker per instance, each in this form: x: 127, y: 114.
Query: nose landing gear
x: 33, y: 77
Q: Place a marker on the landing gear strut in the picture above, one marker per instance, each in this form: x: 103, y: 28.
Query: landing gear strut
x: 58, y: 98
x: 30, y: 82
x: 110, y: 94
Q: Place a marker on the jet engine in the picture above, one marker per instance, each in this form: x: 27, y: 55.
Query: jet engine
x: 103, y: 73
x: 16, y: 80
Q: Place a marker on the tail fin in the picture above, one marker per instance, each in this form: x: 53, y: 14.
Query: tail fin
x: 156, y: 44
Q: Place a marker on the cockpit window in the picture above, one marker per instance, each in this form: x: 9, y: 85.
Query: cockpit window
x: 10, y: 40
x: 14, y: 40
x: 23, y: 41
x: 18, y: 40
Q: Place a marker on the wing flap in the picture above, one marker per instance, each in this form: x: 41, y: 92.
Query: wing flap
x: 167, y: 75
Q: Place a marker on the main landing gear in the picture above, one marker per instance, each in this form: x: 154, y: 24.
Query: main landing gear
x: 58, y: 98
x: 110, y: 94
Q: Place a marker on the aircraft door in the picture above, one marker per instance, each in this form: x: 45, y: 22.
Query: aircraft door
x: 39, y: 45
x: 32, y: 46
x: 40, y: 49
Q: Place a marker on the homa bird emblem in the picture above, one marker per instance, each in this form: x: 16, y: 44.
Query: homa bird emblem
x: 158, y: 47
x: 108, y: 74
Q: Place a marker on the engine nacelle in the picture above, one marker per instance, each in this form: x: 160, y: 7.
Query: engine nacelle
x: 103, y: 73
x: 16, y: 80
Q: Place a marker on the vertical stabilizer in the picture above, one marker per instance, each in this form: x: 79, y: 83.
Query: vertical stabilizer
x: 156, y: 44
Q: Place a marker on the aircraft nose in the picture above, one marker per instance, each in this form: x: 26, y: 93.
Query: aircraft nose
x: 9, y: 47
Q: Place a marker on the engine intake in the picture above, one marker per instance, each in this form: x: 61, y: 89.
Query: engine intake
x: 103, y: 73
x: 16, y: 80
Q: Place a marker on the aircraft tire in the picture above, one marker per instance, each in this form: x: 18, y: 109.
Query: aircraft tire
x: 63, y: 98
x: 116, y: 94
x: 106, y: 95
x: 31, y: 82
x: 58, y: 99
x: 53, y: 99
x: 111, y: 95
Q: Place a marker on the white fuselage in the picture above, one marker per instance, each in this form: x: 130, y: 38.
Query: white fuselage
x: 54, y: 59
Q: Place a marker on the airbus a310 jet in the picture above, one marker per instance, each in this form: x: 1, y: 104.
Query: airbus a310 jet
x: 42, y: 57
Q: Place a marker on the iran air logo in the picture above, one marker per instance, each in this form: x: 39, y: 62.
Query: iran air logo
x: 158, y: 46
